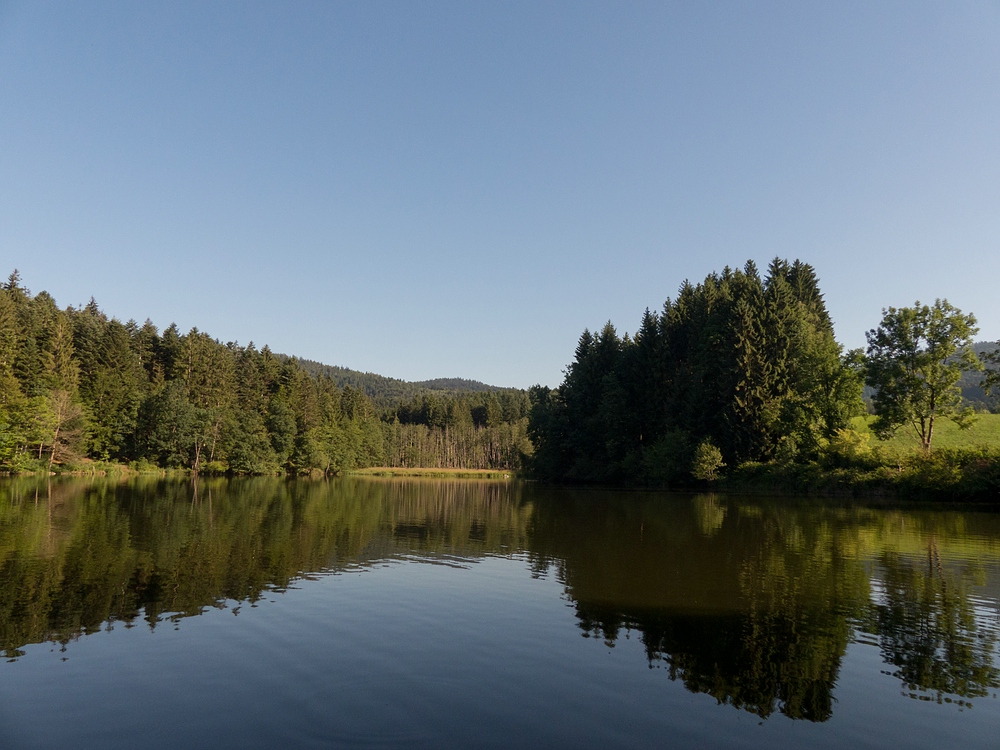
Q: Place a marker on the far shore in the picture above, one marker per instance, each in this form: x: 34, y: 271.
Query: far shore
x: 399, y: 471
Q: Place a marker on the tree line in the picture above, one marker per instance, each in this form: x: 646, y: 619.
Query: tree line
x: 740, y: 369
x: 471, y: 430
x: 77, y: 386
x: 744, y: 369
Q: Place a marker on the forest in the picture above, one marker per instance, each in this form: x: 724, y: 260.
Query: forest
x: 80, y: 391
x: 739, y: 381
x: 745, y: 364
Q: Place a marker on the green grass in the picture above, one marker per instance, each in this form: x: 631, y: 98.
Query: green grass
x: 984, y: 433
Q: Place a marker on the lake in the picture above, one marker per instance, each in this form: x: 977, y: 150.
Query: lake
x: 462, y: 614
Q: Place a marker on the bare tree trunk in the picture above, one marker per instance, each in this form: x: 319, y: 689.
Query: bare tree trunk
x: 52, y: 453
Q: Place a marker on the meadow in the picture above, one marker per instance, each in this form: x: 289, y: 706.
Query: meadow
x: 985, y: 432
x: 963, y: 465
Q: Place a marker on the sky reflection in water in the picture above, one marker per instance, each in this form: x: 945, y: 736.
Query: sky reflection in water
x: 448, y: 613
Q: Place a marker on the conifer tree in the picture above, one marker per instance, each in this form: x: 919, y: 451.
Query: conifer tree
x: 749, y: 364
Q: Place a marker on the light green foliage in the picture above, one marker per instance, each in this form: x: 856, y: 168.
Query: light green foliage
x: 707, y: 462
x: 849, y: 447
x: 915, y: 359
x: 851, y: 443
x: 281, y: 427
x: 985, y: 432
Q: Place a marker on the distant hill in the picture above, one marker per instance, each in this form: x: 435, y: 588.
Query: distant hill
x: 973, y: 394
x: 387, y: 392
x: 458, y: 385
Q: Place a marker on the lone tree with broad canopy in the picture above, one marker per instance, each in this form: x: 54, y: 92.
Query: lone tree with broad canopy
x: 915, y: 359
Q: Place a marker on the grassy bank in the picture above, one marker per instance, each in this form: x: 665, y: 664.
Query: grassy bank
x: 963, y: 465
x: 984, y: 433
x: 88, y: 468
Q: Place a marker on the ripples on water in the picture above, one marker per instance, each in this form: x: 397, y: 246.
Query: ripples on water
x: 430, y: 613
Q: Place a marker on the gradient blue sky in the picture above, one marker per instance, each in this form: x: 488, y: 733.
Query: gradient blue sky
x: 457, y: 189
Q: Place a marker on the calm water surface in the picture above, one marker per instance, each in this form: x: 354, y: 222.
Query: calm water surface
x: 421, y: 613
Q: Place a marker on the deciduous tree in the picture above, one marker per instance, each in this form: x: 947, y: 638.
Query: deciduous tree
x: 915, y: 359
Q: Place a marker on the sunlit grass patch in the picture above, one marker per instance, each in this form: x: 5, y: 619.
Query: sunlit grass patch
x: 985, y: 432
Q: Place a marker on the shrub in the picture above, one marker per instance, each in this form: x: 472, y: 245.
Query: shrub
x: 849, y: 448
x: 668, y: 459
x: 707, y: 462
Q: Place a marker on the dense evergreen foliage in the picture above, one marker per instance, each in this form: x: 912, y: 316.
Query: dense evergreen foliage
x: 742, y: 367
x: 77, y: 386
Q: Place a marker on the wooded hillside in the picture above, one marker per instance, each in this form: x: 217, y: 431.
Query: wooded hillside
x: 77, y: 386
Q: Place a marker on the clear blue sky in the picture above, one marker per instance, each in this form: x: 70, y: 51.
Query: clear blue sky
x: 457, y: 189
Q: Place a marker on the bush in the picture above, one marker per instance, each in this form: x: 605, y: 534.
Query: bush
x: 145, y: 466
x: 213, y: 468
x: 668, y: 460
x: 707, y: 462
x: 848, y: 449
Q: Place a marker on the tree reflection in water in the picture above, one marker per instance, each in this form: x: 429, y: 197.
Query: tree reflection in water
x: 76, y: 556
x: 928, y: 627
x: 751, y: 602
x: 756, y: 603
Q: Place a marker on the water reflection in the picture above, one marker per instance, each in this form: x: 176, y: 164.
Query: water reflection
x: 752, y: 602
x: 75, y: 555
x: 755, y: 603
x: 748, y: 606
x: 928, y: 627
